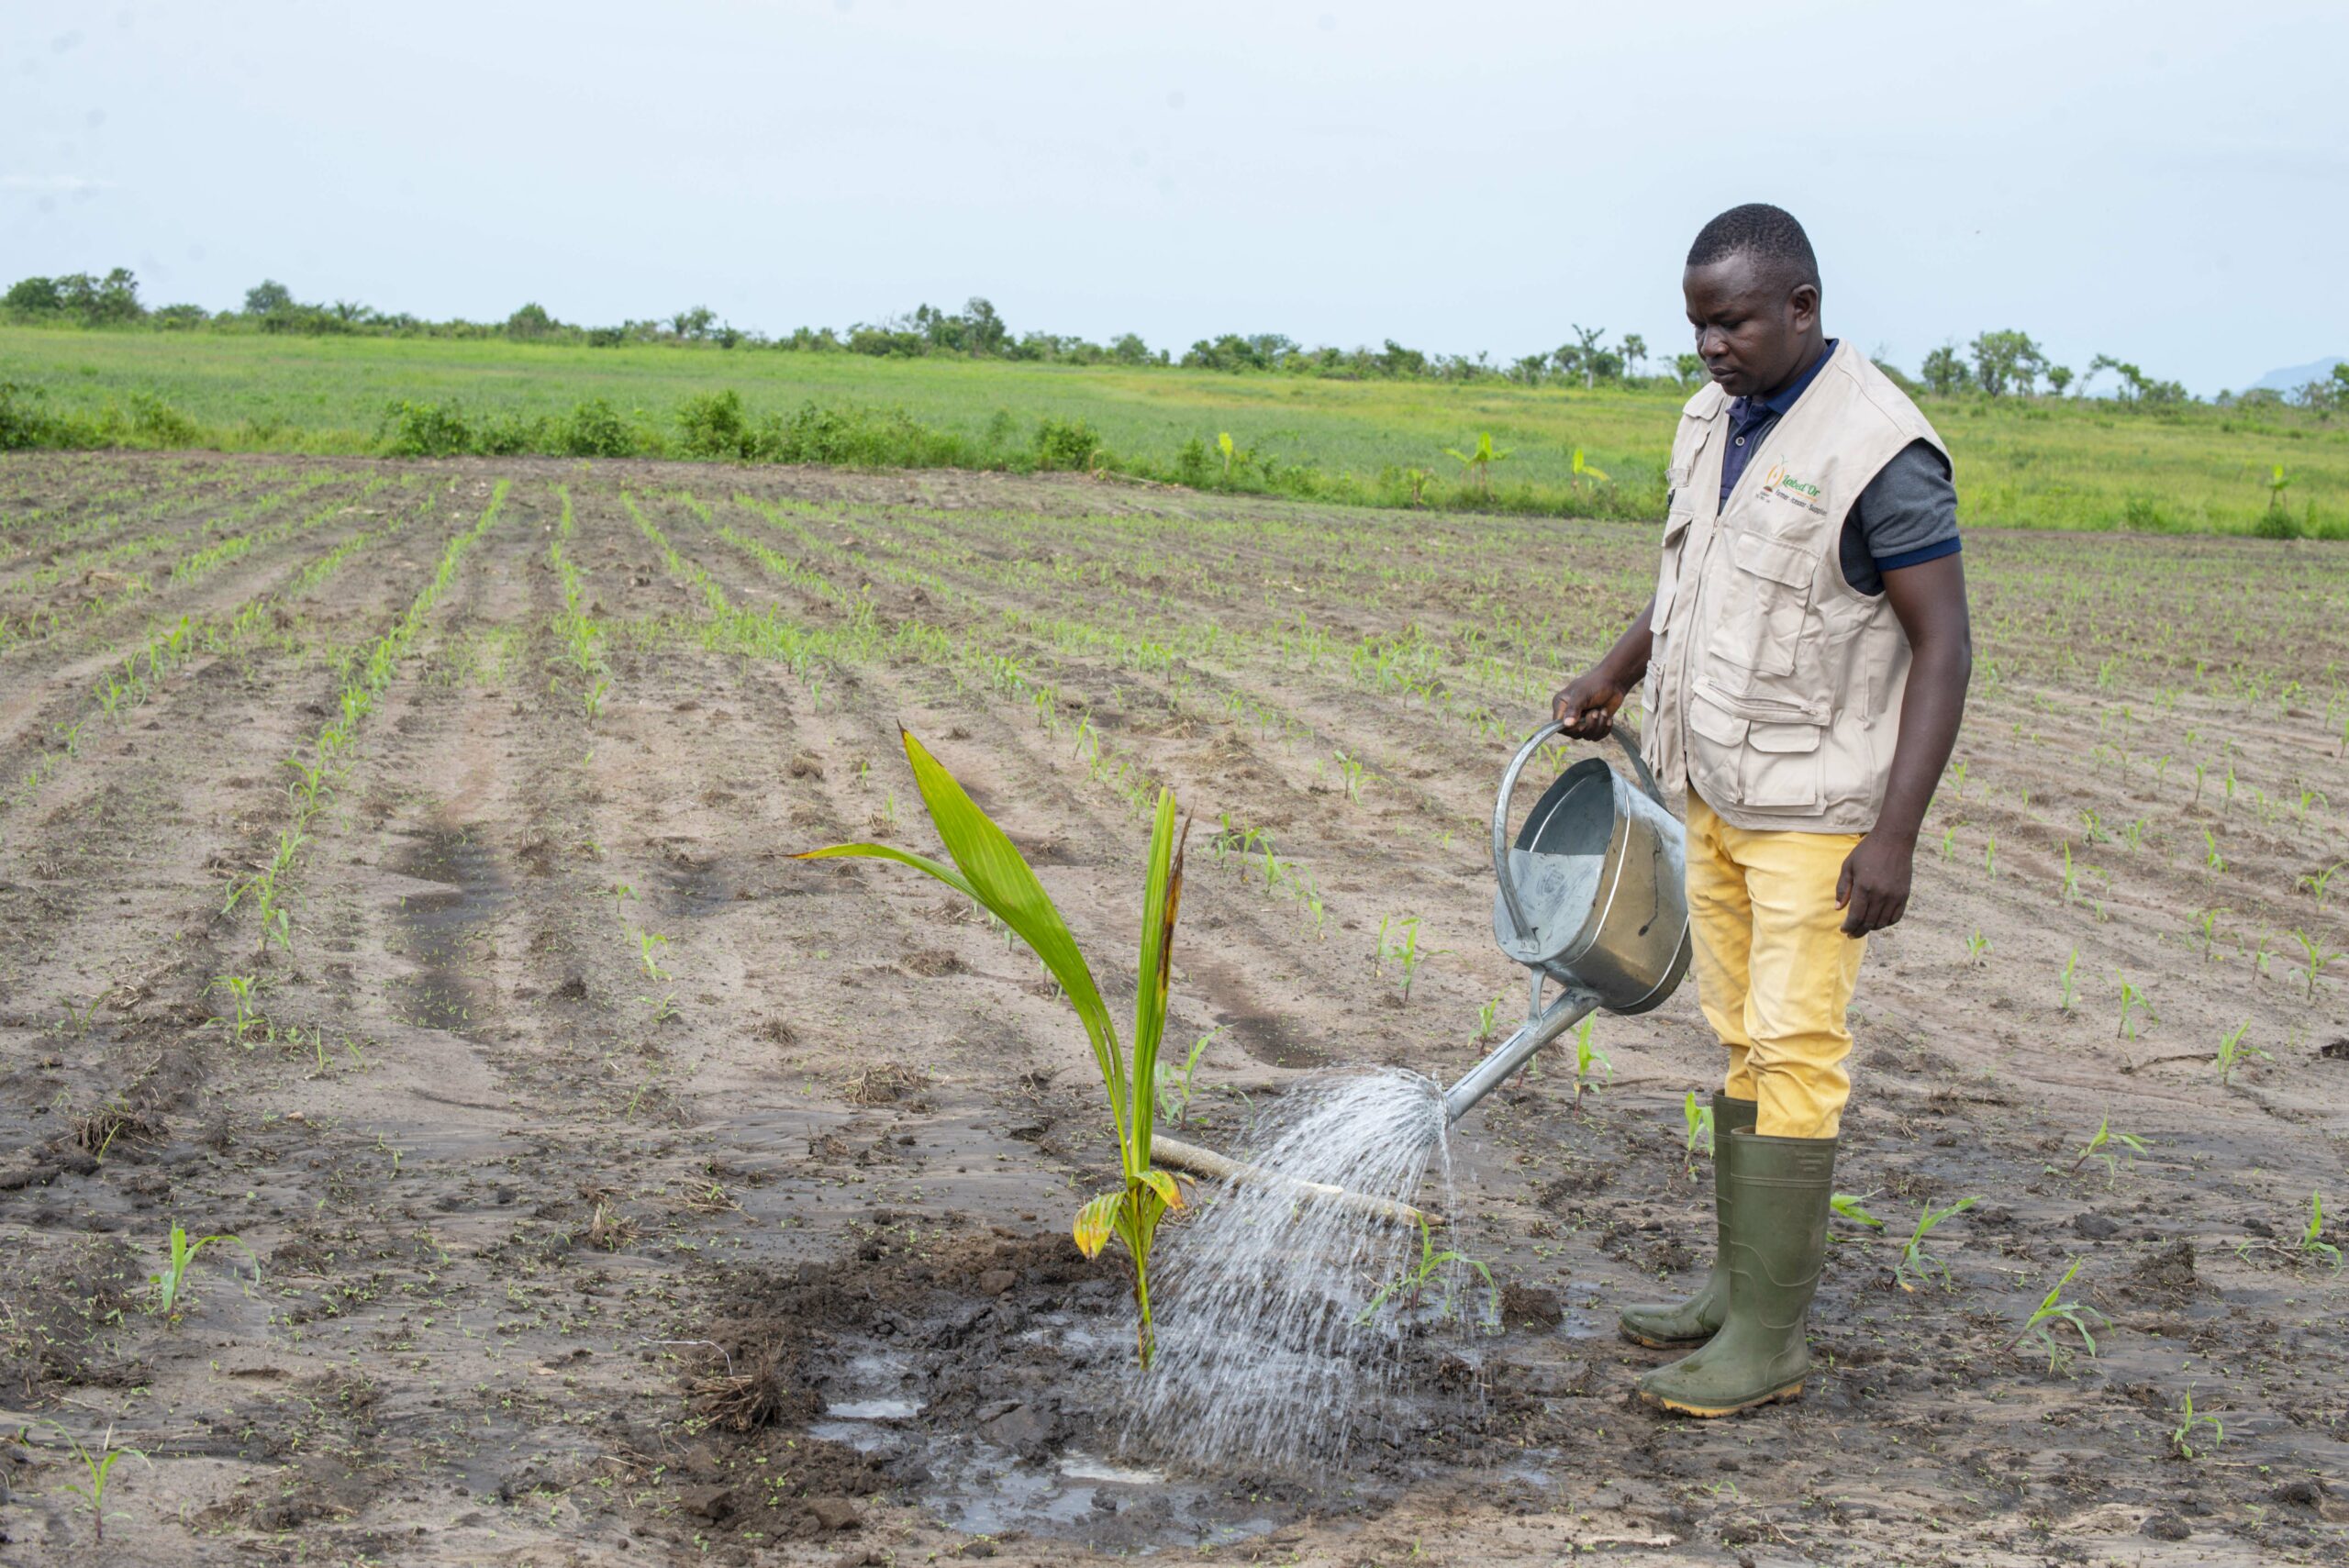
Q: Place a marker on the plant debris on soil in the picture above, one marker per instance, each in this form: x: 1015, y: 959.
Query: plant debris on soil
x: 609, y: 1187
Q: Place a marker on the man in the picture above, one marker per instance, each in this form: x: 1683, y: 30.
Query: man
x: 1806, y: 655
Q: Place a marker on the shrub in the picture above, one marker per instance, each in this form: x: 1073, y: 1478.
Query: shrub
x: 596, y: 429
x: 1066, y: 443
x: 716, y: 426
x: 1191, y: 463
x: 425, y: 429
x: 157, y: 421
x: 511, y: 435
x: 23, y: 423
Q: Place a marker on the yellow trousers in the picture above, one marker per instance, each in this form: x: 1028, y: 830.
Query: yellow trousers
x: 1775, y: 971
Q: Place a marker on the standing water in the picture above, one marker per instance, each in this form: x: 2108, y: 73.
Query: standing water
x: 1270, y: 1350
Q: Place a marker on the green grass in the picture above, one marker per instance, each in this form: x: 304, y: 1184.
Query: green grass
x: 2037, y: 464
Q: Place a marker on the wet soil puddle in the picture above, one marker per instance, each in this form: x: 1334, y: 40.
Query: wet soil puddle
x: 990, y: 1381
x: 438, y: 926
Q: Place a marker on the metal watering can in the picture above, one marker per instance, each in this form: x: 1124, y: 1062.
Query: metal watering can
x: 1592, y: 897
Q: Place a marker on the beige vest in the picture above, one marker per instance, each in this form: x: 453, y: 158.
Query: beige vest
x: 1773, y: 688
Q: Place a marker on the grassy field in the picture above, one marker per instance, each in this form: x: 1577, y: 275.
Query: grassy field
x: 2076, y: 465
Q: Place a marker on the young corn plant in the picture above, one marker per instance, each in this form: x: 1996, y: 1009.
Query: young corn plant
x: 2069, y: 965
x: 2133, y: 1001
x: 172, y: 1290
x: 1403, y: 949
x: 1173, y: 1087
x: 1408, y: 1287
x: 2312, y: 1243
x: 1916, y: 1262
x: 2232, y: 1049
x: 989, y: 869
x: 2097, y: 1148
x: 2319, y: 957
x: 1851, y: 1206
x: 1697, y: 1121
x: 2182, y: 1439
x: 97, y: 1469
x: 2039, y: 1328
x: 241, y: 988
x: 1589, y: 1057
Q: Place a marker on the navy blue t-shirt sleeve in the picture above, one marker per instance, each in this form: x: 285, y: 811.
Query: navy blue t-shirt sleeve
x: 1905, y: 516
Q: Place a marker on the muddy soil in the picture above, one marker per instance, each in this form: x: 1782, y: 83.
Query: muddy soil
x: 607, y: 1187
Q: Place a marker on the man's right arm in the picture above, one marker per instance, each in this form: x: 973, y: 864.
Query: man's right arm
x: 1586, y: 706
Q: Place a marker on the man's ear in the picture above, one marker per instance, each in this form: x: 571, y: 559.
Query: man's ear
x: 1803, y: 306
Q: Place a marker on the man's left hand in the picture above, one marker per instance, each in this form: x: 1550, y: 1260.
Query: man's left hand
x: 1873, y: 890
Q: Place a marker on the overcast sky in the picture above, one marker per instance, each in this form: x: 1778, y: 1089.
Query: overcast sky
x: 2164, y: 182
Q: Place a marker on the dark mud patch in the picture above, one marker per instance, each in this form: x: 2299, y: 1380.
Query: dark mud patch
x: 985, y: 1381
x: 440, y: 926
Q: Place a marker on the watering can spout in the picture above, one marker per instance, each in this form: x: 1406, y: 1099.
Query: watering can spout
x: 1545, y: 1025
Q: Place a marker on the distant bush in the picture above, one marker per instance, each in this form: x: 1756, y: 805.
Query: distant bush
x: 1065, y: 444
x: 425, y: 429
x: 715, y: 426
x: 596, y: 429
x: 157, y: 423
x: 23, y: 422
x: 1191, y: 464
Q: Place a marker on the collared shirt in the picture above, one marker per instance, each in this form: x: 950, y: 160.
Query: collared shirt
x: 1907, y: 514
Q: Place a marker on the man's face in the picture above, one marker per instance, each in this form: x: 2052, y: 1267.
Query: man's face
x: 1754, y: 327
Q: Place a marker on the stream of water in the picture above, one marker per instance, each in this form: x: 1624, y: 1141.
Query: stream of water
x: 1270, y: 1351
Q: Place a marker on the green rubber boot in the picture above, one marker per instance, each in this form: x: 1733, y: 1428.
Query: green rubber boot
x: 1776, y: 1241
x: 1668, y: 1325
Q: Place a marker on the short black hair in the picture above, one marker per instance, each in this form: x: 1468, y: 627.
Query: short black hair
x: 1767, y: 233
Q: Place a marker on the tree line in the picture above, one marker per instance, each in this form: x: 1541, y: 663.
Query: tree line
x: 1996, y: 365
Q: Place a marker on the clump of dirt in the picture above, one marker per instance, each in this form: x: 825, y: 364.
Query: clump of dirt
x: 2169, y: 1271
x: 883, y: 1083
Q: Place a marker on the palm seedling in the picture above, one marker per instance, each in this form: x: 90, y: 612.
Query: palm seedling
x: 988, y: 870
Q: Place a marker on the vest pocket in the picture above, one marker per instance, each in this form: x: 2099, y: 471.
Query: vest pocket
x: 1761, y: 623
x: 1780, y: 770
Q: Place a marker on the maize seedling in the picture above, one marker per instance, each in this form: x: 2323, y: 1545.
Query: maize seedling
x: 2181, y: 1437
x: 1915, y: 1263
x: 172, y: 1284
x: 2052, y: 1309
x: 1413, y: 1283
x: 97, y: 1469
x: 2232, y: 1051
x: 2096, y: 1149
x: 2312, y: 1241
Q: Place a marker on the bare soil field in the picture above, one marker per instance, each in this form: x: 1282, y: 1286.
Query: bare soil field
x: 609, y: 1187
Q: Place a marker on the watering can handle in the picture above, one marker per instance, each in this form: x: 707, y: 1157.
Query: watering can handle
x: 1623, y: 737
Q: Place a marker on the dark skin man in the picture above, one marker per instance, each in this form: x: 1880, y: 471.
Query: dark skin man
x: 1758, y: 332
